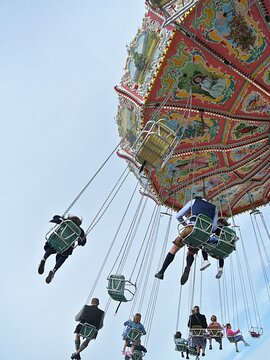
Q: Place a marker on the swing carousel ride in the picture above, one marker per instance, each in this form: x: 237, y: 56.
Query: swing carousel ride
x: 193, y: 118
x: 194, y: 108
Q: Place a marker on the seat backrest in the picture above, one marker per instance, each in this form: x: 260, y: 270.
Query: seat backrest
x: 215, y: 332
x: 137, y: 355
x: 88, y: 331
x: 120, y: 289
x: 197, y: 331
x: 200, y: 233
x: 134, y: 334
x: 64, y: 235
x: 231, y: 338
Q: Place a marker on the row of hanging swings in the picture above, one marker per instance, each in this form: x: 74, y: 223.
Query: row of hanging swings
x: 119, y: 288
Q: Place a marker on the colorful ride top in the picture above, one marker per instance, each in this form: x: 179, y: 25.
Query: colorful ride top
x: 194, y: 109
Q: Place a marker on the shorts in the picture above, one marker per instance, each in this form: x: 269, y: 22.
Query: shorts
x: 184, y: 233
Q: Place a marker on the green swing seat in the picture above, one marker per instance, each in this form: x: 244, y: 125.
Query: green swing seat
x: 118, y: 288
x: 231, y: 339
x: 134, y: 335
x: 158, y: 140
x: 214, y: 332
x: 64, y: 235
x: 225, y: 244
x: 200, y: 232
x: 181, y: 347
x: 192, y: 351
x: 137, y: 355
x: 88, y: 331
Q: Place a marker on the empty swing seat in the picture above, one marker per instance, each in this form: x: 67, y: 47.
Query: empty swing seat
x: 158, y: 140
x: 200, y: 232
x: 256, y: 332
x: 225, y: 244
x: 64, y: 235
x: 118, y: 288
x: 88, y: 331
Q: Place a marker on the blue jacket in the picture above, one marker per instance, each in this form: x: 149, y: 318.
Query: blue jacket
x: 198, y: 206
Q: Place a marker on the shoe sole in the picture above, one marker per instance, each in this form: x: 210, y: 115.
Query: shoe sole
x: 41, y: 267
x: 204, y: 267
x: 49, y: 277
x: 184, y: 277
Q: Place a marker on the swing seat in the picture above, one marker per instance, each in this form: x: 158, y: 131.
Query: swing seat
x: 181, y: 347
x: 155, y: 142
x: 118, y: 288
x: 192, y: 351
x: 137, y: 355
x: 214, y: 332
x: 231, y: 339
x: 88, y: 331
x: 225, y: 244
x: 197, y: 331
x: 132, y: 334
x: 63, y: 236
x: 256, y: 332
x: 200, y: 232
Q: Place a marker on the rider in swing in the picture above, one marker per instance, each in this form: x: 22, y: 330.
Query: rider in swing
x: 196, y: 206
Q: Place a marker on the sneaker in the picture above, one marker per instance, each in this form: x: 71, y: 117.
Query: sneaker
x: 185, y: 275
x: 203, y: 354
x: 210, y: 347
x: 48, y: 280
x: 41, y: 267
x: 76, y: 356
x: 159, y: 275
x: 220, y: 347
x: 205, y: 265
x: 219, y: 273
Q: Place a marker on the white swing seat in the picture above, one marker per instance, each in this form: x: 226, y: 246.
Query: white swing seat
x: 118, y: 288
x: 214, y: 332
x: 197, y: 331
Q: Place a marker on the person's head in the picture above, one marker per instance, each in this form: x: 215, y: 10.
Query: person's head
x: 75, y: 219
x: 222, y: 222
x: 228, y: 326
x: 137, y: 318
x: 196, y: 309
x: 213, y: 318
x: 178, y: 335
x: 95, y: 301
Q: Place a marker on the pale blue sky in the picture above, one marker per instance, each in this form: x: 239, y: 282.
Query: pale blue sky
x: 60, y: 60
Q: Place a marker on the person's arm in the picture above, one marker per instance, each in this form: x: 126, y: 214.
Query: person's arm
x: 215, y: 219
x: 183, y: 211
x: 204, y: 322
x: 101, y: 321
x: 79, y: 315
x: 127, y: 323
x: 82, y: 238
x: 57, y: 219
x: 143, y: 329
x: 189, y: 322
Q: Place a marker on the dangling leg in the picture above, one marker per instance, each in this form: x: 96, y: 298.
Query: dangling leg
x: 189, y: 262
x: 48, y: 252
x: 177, y: 245
x: 60, y: 259
x: 220, y: 269
x: 205, y: 263
x: 76, y: 355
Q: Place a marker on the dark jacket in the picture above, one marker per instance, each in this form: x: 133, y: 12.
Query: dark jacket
x: 92, y: 315
x: 197, y: 319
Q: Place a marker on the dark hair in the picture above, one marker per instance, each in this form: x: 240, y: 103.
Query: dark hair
x: 177, y: 335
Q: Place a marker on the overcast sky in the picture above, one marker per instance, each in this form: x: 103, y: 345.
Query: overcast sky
x: 59, y: 63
